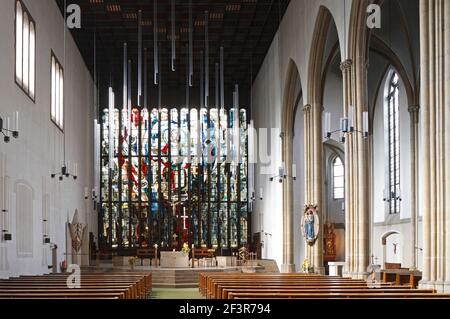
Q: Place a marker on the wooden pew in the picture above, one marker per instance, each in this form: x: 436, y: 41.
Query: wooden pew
x: 108, y: 285
x: 293, y: 286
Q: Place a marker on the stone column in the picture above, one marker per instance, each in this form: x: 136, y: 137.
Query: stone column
x: 435, y: 137
x: 414, y: 119
x: 317, y: 191
x: 309, y: 172
x: 356, y: 171
x: 288, y: 265
x: 362, y: 173
x: 348, y: 149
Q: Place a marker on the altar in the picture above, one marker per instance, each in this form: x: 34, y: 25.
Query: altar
x: 174, y: 259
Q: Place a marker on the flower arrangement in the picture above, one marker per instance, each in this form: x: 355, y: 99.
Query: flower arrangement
x: 185, y: 248
x: 305, y: 266
x: 132, y: 261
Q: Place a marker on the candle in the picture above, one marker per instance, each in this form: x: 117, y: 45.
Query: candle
x: 344, y: 125
x: 261, y: 193
x: 328, y: 122
x: 7, y: 126
x: 75, y: 169
x: 282, y: 169
x: 294, y: 171
x: 16, y: 121
x: 351, y: 117
x: 86, y: 192
x: 366, y: 124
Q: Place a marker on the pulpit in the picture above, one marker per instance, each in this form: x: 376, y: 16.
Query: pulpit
x: 174, y: 259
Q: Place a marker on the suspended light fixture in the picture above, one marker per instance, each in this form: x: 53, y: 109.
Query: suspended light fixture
x: 6, y: 131
x: 347, y: 125
x: 173, y: 35
x: 64, y: 172
x: 155, y: 42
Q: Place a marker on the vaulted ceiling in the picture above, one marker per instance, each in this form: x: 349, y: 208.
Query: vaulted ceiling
x: 245, y: 28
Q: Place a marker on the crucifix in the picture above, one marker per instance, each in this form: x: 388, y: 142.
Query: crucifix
x: 173, y: 205
x: 184, y: 217
x: 395, y: 248
x: 175, y: 236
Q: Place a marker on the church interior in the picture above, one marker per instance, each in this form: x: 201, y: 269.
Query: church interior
x: 233, y: 149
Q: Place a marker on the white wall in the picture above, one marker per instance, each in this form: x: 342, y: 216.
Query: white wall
x: 39, y: 150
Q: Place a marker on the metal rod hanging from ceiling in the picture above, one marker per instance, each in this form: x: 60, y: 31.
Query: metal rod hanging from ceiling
x: 191, y: 47
x: 202, y: 80
x: 125, y: 76
x: 173, y: 37
x: 217, y: 84
x: 236, y: 90
x: 145, y: 79
x: 187, y: 78
x: 129, y: 92
x: 95, y: 76
x: 206, y: 59
x: 222, y: 81
x: 139, y: 97
x: 155, y: 41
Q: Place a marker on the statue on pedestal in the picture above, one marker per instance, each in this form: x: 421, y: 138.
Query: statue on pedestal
x: 76, y: 229
x: 310, y: 224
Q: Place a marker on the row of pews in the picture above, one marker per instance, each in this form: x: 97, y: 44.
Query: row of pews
x: 93, y: 285
x: 302, y: 286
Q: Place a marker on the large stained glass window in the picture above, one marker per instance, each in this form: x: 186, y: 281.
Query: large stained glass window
x: 178, y: 176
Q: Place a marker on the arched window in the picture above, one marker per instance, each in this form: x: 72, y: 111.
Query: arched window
x: 338, y: 178
x: 392, y: 131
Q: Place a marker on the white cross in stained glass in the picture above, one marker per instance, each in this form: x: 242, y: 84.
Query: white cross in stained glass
x: 184, y: 217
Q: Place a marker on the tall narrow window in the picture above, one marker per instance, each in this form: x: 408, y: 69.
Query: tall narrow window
x: 25, y: 50
x: 57, y: 93
x: 394, y: 145
x: 338, y: 179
